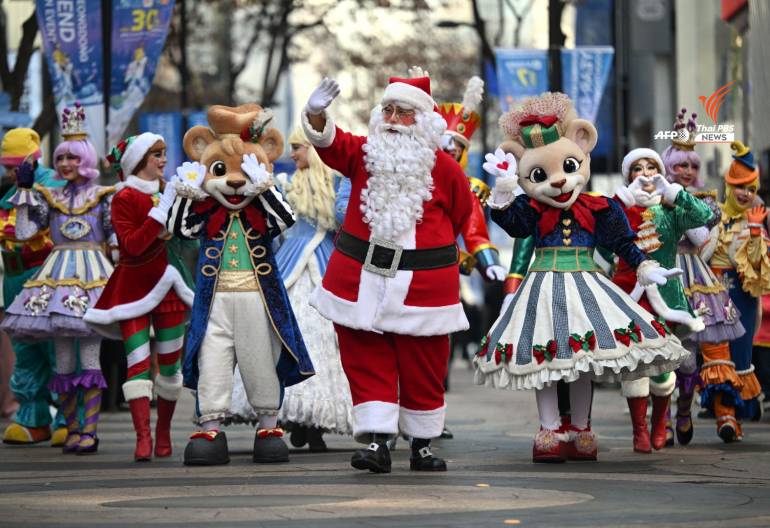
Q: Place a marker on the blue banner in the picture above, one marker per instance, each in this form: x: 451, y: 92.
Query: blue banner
x: 584, y: 77
x: 524, y: 73
x: 72, y: 40
x: 520, y: 74
x: 139, y: 29
x: 168, y: 125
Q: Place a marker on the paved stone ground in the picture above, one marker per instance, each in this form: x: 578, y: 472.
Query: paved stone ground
x: 491, y: 481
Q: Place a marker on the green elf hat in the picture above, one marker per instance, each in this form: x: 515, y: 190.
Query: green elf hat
x: 538, y: 131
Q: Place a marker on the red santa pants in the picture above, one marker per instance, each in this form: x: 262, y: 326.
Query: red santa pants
x: 397, y: 382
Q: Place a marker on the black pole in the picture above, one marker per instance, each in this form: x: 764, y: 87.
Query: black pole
x: 556, y: 39
x: 184, y: 74
x: 107, y: 61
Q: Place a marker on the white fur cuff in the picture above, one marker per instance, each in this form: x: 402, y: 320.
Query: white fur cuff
x: 639, y: 388
x: 135, y: 389
x: 158, y: 215
x: 319, y: 139
x: 169, y: 387
x: 663, y: 389
x: 671, y: 193
x: 626, y: 196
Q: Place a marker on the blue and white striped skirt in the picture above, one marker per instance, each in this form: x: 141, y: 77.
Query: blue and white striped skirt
x: 561, y: 325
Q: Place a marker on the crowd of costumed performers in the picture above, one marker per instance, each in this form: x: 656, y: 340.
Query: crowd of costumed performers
x: 325, y: 301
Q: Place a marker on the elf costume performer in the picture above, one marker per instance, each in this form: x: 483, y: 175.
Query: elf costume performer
x: 660, y: 213
x: 144, y: 291
x: 322, y: 403
x: 567, y: 321
x: 392, y: 285
x: 34, y: 365
x: 462, y: 121
x: 54, y: 300
x: 707, y: 296
x: 741, y: 262
x: 242, y: 313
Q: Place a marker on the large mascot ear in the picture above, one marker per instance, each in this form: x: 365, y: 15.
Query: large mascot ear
x: 196, y: 140
x: 514, y: 148
x: 583, y: 133
x: 271, y: 142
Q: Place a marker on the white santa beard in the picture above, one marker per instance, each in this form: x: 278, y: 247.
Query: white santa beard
x: 399, y: 167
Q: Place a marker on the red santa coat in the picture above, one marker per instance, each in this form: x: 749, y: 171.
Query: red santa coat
x: 418, y: 303
x: 143, y: 277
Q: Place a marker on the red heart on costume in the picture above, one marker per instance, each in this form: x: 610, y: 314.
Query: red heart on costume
x: 503, y: 165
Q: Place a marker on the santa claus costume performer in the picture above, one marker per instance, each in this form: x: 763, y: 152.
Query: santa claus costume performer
x: 660, y: 213
x: 392, y: 283
x: 145, y: 290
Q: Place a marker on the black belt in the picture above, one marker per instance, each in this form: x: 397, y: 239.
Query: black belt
x: 385, y: 258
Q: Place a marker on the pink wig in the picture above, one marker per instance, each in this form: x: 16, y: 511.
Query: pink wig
x: 673, y: 156
x: 83, y: 149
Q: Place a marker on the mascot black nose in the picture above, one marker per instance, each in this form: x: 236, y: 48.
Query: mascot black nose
x: 236, y: 183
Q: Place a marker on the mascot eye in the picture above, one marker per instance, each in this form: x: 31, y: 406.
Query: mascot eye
x: 218, y: 168
x: 571, y: 165
x: 537, y: 175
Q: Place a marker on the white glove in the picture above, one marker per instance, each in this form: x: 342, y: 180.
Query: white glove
x: 495, y: 273
x: 191, y: 173
x: 507, y: 302
x: 168, y: 197
x: 638, y: 183
x: 661, y: 184
x: 322, y: 96
x: 503, y: 167
x: 649, y: 272
x: 260, y: 178
x: 698, y: 235
x: 500, y: 165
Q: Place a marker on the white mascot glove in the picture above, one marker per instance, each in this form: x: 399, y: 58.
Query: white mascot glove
x: 507, y: 302
x: 495, y: 273
x: 503, y: 167
x: 189, y: 180
x: 649, y: 272
x: 322, y: 96
x: 260, y: 178
x: 669, y: 191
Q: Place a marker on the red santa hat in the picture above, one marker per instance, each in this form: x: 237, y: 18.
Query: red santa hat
x: 414, y: 92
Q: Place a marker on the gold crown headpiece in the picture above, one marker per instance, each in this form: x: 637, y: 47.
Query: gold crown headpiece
x: 73, y: 122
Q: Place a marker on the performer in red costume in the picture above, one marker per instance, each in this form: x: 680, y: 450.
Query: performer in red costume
x: 144, y: 287
x: 392, y: 284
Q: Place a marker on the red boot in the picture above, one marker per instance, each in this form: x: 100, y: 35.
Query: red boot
x: 140, y: 414
x: 659, y: 414
x: 550, y: 446
x: 163, y: 427
x: 638, y: 408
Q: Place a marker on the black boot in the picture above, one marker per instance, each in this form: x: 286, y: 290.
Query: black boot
x: 446, y: 434
x: 375, y: 458
x: 422, y: 459
x: 315, y: 440
x: 298, y: 436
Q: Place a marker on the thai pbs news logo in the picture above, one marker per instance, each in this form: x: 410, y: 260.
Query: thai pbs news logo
x: 716, y: 133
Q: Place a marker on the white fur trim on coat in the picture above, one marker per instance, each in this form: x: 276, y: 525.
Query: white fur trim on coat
x: 107, y: 322
x: 380, y: 305
x: 143, y: 186
x: 639, y: 388
x: 319, y: 139
x: 422, y: 424
x: 135, y: 389
x: 169, y: 387
x: 374, y: 417
x: 157, y: 214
